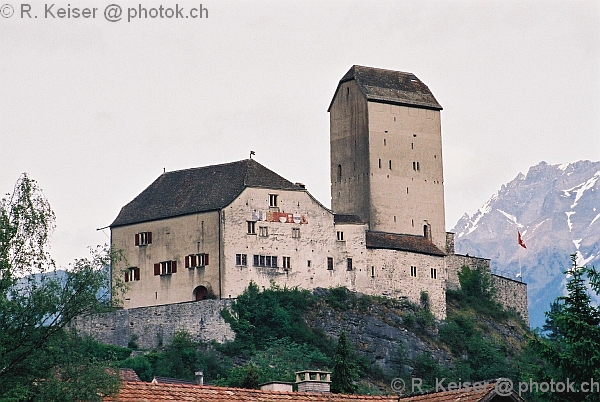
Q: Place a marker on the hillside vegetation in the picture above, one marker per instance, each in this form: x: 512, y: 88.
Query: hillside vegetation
x: 280, y: 331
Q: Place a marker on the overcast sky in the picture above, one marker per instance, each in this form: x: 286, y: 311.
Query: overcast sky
x: 94, y: 110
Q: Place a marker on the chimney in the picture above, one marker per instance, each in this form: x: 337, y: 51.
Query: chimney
x: 199, y: 377
x: 278, y: 386
x: 313, y: 381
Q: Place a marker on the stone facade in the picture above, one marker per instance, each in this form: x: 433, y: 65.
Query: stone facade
x: 155, y: 326
x: 512, y: 295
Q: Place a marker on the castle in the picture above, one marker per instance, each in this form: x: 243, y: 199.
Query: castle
x: 207, y: 232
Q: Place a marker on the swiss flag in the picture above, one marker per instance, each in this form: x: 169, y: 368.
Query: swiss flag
x: 521, y: 242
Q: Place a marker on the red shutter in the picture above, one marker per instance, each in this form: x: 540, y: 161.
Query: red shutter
x: 157, y: 268
x: 205, y: 259
x: 137, y: 239
x: 149, y: 237
x: 174, y: 267
x: 136, y: 274
x: 187, y: 261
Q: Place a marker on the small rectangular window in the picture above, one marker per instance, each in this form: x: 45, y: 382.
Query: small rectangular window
x: 263, y: 231
x: 241, y: 260
x: 434, y: 273
x: 296, y: 233
x: 349, y: 263
x: 413, y: 271
x: 372, y: 271
x: 287, y: 263
x: 390, y: 165
x: 340, y: 235
x: 165, y: 268
x: 143, y: 238
x: 330, y: 263
x: 255, y: 260
x: 251, y: 227
x: 274, y: 261
x: 379, y: 163
x: 267, y: 261
x: 262, y: 261
x: 308, y: 263
x: 273, y: 201
x: 132, y: 274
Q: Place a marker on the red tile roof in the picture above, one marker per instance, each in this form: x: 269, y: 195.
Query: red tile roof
x: 147, y: 392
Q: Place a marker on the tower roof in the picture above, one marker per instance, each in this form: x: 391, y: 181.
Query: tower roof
x: 389, y: 86
x: 207, y: 188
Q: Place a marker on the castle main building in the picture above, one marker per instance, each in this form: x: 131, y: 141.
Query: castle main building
x: 207, y: 232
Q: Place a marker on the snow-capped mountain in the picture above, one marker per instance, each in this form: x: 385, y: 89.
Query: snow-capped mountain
x: 556, y: 208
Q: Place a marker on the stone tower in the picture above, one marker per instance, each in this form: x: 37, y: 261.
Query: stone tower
x: 386, y: 153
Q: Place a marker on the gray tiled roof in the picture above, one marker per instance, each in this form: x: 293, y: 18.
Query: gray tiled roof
x: 189, y: 191
x: 403, y: 242
x: 344, y: 218
x: 389, y: 86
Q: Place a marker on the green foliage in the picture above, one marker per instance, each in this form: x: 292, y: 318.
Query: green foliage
x: 477, y: 292
x: 573, y: 345
x: 37, y: 358
x: 427, y: 368
x: 180, y: 359
x: 342, y: 299
x: 345, y: 372
x: 259, y: 318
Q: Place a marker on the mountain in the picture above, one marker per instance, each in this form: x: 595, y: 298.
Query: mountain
x: 556, y: 208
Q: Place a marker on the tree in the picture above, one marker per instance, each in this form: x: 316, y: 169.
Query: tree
x: 39, y: 360
x: 345, y: 372
x: 573, y: 346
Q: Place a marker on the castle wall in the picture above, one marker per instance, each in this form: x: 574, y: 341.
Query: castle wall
x: 512, y: 295
x: 405, y: 155
x: 172, y: 239
x: 389, y: 274
x: 349, y: 148
x: 155, y: 325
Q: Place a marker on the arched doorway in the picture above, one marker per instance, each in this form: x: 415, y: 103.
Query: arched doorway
x: 200, y: 293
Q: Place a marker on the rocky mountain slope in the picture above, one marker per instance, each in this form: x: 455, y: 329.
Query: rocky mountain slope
x: 556, y: 208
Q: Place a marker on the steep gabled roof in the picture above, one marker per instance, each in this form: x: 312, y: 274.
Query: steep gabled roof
x: 389, y: 86
x: 189, y: 191
x: 403, y: 242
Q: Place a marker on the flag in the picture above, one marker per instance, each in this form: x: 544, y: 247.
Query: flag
x: 521, y: 243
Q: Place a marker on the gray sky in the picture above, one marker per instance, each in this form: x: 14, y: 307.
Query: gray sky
x: 94, y: 110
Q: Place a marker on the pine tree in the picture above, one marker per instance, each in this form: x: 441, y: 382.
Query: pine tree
x: 345, y: 371
x: 574, y: 347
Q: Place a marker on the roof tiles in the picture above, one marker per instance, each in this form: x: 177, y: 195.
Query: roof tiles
x: 403, y: 242
x: 202, y: 189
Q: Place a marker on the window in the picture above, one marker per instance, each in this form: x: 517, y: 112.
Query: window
x: 287, y: 263
x: 390, y: 165
x: 241, y: 259
x: 264, y: 261
x: 372, y: 271
x: 273, y: 200
x: 340, y: 235
x: 330, y: 263
x: 413, y: 271
x: 132, y: 274
x: 349, y: 263
x: 384, y: 142
x: 251, y: 227
x: 296, y: 233
x: 308, y: 263
x: 434, y: 273
x: 339, y: 173
x: 263, y: 231
x: 379, y: 163
x: 143, y: 238
x: 426, y: 232
x: 165, y: 268
x: 196, y: 260
x: 416, y: 166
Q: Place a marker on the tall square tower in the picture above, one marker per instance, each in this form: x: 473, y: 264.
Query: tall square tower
x: 386, y: 153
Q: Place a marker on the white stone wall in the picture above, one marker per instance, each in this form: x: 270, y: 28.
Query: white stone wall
x: 172, y: 239
x: 404, y: 200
